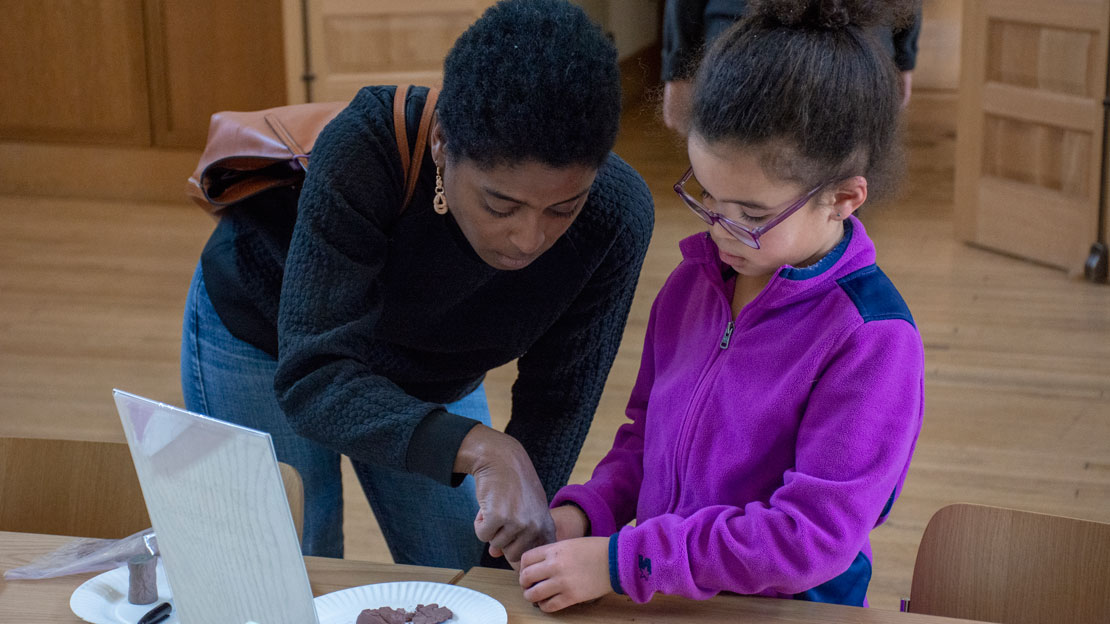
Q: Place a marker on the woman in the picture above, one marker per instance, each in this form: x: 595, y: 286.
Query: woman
x: 344, y: 326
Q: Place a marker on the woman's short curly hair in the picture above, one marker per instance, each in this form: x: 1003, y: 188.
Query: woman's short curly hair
x: 531, y: 80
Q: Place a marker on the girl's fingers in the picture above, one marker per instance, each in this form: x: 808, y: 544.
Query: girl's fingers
x: 533, y: 556
x: 555, y: 603
x: 534, y: 573
x: 541, y: 591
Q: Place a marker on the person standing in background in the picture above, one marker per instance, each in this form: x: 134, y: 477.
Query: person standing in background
x: 690, y: 26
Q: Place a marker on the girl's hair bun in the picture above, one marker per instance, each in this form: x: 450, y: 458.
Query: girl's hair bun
x: 831, y: 14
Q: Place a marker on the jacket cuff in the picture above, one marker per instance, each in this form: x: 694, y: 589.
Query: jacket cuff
x: 614, y: 564
x: 434, y: 444
x: 597, y: 511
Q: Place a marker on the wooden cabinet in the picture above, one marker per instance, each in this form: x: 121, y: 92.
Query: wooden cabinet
x: 207, y: 56
x: 1031, y: 134
x: 135, y: 72
x: 73, y: 70
x: 353, y: 43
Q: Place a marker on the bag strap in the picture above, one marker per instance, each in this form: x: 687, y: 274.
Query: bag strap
x: 287, y: 140
x: 399, y: 97
x: 410, y: 163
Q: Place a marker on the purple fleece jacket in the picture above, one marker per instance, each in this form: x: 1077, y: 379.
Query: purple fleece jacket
x: 762, y: 449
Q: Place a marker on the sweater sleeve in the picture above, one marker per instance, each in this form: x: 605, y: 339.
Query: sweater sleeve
x: 853, y: 447
x: 905, y: 43
x: 609, y: 498
x: 330, y: 299
x: 683, y: 37
x: 560, y: 378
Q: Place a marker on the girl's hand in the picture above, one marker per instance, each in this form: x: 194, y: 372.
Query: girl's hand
x: 570, y: 522
x: 562, y: 574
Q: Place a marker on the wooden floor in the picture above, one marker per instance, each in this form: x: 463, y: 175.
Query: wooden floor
x: 1017, y: 355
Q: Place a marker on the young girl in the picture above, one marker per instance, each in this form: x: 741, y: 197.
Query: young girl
x: 780, y: 393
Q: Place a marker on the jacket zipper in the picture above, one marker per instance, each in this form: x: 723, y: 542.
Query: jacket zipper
x: 691, y: 413
x: 688, y: 423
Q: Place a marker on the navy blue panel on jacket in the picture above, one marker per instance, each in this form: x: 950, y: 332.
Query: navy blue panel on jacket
x: 875, y: 296
x: 850, y: 588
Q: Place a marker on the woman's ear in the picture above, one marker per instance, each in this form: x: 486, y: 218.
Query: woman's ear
x: 848, y: 196
x: 437, y: 143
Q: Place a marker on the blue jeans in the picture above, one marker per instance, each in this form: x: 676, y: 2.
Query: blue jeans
x: 424, y: 522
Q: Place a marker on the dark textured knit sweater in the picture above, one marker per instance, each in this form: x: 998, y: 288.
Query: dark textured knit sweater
x: 385, y: 317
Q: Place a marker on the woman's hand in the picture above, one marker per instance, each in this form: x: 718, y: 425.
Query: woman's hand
x: 570, y: 522
x: 907, y: 87
x: 562, y: 574
x: 512, y: 506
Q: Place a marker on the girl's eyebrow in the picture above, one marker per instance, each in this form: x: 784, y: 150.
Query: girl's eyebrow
x: 754, y: 205
x: 747, y: 204
x: 499, y: 195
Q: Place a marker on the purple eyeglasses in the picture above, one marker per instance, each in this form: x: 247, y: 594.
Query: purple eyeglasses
x: 746, y: 235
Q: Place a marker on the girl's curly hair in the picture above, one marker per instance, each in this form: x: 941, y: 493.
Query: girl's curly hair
x: 806, y: 81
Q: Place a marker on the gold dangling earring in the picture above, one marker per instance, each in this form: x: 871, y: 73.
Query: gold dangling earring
x: 439, y: 204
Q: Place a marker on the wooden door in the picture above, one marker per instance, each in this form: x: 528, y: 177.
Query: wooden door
x: 1030, y: 130
x: 938, y: 53
x: 208, y: 56
x: 354, y: 43
x: 73, y: 70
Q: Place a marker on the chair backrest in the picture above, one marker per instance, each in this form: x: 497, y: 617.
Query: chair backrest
x: 86, y: 489
x: 294, y: 492
x: 65, y: 487
x: 1012, y: 567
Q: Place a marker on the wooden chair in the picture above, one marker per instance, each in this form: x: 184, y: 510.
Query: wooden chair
x: 1012, y: 567
x: 86, y: 489
x: 294, y: 492
x: 65, y: 487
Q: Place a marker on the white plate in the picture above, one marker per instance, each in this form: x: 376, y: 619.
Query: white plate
x: 103, y: 598
x: 469, y: 606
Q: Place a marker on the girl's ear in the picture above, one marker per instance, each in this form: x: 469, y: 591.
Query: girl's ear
x: 437, y: 143
x: 848, y: 196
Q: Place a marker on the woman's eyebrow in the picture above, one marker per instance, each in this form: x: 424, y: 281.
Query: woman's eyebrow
x: 507, y: 198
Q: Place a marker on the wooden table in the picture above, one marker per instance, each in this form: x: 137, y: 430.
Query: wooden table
x: 502, y: 585
x: 47, y: 601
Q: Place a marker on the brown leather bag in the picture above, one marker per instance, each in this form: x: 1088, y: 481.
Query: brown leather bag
x: 251, y: 152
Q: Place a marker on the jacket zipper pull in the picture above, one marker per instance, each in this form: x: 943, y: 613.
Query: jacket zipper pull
x: 728, y: 335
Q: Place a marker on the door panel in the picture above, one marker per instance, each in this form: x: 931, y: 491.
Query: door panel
x: 73, y: 70
x: 353, y: 44
x: 208, y: 56
x: 1030, y: 135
